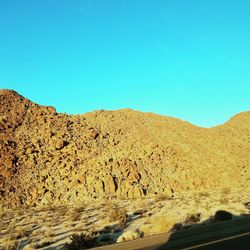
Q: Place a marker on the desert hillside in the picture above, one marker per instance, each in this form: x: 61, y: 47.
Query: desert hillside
x: 54, y: 158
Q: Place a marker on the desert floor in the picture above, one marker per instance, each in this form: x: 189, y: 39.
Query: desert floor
x: 108, y: 221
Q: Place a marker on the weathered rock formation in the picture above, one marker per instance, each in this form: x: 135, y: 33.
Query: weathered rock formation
x: 52, y: 158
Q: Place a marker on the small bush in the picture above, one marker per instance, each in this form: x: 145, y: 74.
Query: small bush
x: 247, y: 205
x: 222, y: 215
x: 162, y: 197
x: 44, y: 243
x: 129, y: 235
x: 84, y: 240
x: 204, y: 194
x: 226, y: 190
x: 224, y: 200
x: 192, y: 218
x: 11, y: 245
x: 118, y: 214
x: 80, y: 209
x: 158, y: 224
x: 75, y: 213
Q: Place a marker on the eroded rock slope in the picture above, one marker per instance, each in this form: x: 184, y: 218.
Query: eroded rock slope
x: 52, y: 158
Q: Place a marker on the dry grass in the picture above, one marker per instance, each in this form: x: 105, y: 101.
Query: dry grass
x: 204, y: 194
x: 51, y: 229
x: 162, y: 197
x: 28, y: 247
x: 158, y: 224
x: 226, y: 190
x: 45, y: 242
x: 75, y: 215
x: 119, y: 215
x: 192, y: 218
x: 129, y: 235
x: 10, y: 244
x: 84, y: 240
x: 224, y: 200
x: 247, y: 205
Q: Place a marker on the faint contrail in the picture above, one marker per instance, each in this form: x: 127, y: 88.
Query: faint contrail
x: 206, y: 51
x: 180, y: 64
x: 73, y: 7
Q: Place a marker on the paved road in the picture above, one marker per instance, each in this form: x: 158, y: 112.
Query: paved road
x: 236, y: 242
x: 228, y: 235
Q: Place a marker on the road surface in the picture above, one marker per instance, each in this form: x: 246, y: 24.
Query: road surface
x: 229, y: 235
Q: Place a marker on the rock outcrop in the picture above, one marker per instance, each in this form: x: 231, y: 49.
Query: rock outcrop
x: 52, y: 158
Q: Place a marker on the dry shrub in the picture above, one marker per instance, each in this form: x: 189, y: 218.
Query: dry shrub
x: 45, y: 242
x: 226, y: 190
x: 192, y: 218
x: 204, y: 194
x: 75, y: 213
x: 39, y: 232
x: 14, y: 233
x: 49, y: 234
x: 118, y: 214
x: 129, y: 235
x: 86, y: 240
x: 11, y: 226
x: 19, y: 232
x: 162, y: 197
x: 139, y: 212
x: 75, y: 216
x: 3, y: 214
x: 159, y: 224
x: 142, y: 205
x: 224, y: 200
x: 47, y: 208
x: 29, y: 247
x: 11, y: 244
x: 247, y: 205
x: 79, y: 209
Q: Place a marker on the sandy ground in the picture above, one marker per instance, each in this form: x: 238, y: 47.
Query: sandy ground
x: 110, y: 221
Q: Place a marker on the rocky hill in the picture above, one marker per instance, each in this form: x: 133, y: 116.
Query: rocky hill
x: 53, y: 158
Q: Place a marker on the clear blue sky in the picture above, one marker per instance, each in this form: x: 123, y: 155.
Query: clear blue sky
x: 187, y: 59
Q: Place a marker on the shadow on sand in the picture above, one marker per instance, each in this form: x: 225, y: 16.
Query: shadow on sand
x: 221, y: 231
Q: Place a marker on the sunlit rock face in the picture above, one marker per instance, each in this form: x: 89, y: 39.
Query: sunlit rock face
x: 52, y: 158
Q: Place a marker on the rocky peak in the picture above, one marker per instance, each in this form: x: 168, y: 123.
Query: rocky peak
x: 48, y: 157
